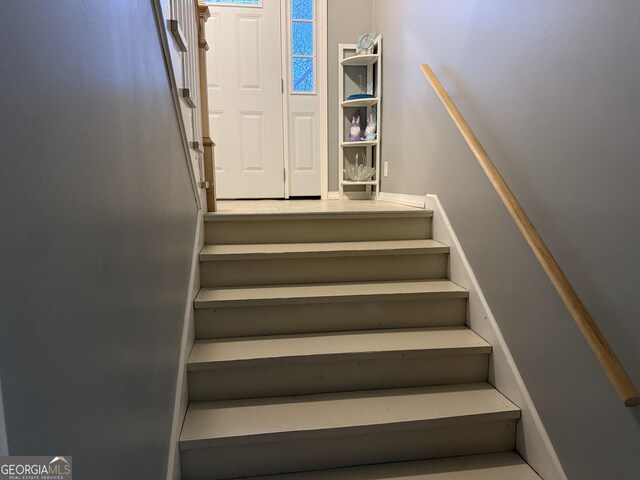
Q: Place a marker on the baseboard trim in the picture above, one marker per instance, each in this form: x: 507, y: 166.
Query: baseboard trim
x: 417, y: 201
x: 533, y: 442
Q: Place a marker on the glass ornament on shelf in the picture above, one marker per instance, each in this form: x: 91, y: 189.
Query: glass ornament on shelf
x: 362, y: 89
x: 357, y: 172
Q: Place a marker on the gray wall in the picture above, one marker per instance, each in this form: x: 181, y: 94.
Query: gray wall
x: 551, y: 89
x: 98, y: 219
x: 346, y: 20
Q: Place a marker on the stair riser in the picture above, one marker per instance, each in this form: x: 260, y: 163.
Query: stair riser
x: 364, y: 446
x: 317, y: 230
x: 285, y: 319
x: 232, y: 273
x: 492, y: 466
x: 319, y: 375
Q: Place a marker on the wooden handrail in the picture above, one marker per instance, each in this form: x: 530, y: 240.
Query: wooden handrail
x: 603, y: 352
x: 207, y: 143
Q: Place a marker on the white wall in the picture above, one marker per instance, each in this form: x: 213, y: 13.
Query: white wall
x: 98, y: 220
x: 551, y: 89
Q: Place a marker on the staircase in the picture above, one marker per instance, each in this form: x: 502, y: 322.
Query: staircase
x: 333, y: 344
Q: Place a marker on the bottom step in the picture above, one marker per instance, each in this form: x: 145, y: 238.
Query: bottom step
x: 229, y: 439
x: 497, y: 466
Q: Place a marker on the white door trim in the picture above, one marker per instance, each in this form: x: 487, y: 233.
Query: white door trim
x: 322, y: 85
x: 285, y: 29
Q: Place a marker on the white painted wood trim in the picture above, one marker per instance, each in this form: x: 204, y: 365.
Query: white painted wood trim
x: 322, y: 76
x: 533, y: 442
x: 181, y: 399
x: 379, y: 118
x: 333, y: 195
x: 417, y: 201
x: 284, y: 72
x: 175, y: 93
x: 341, y: 48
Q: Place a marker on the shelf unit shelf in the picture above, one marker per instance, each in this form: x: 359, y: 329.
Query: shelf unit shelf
x: 353, y: 70
x: 349, y: 182
x: 360, y: 60
x: 362, y: 143
x: 359, y: 102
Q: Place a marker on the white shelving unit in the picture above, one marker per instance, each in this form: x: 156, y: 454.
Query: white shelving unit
x: 353, y: 69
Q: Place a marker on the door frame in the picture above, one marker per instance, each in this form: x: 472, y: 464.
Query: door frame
x: 322, y: 85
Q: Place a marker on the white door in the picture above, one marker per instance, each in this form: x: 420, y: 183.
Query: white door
x: 244, y: 68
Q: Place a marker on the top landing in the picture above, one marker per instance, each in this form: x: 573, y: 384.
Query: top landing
x: 291, y: 208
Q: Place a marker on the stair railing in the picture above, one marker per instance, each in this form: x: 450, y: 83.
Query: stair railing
x: 208, y: 144
x: 592, y: 334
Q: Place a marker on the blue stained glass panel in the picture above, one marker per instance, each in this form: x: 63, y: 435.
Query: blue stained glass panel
x: 250, y: 3
x: 303, y: 75
x: 302, y: 9
x: 302, y: 38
